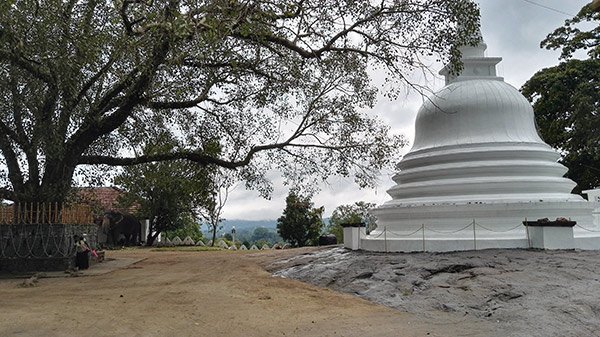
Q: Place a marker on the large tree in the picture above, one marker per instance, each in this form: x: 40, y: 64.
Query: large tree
x: 566, y: 101
x: 169, y: 194
x: 566, y: 98
x: 301, y: 223
x: 276, y: 84
x: 580, y: 33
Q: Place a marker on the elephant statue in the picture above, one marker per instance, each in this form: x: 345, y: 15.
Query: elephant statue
x: 120, y: 228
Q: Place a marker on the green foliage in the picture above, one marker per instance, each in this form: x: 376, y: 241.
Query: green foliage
x: 258, y: 236
x: 265, y: 235
x: 566, y: 98
x: 574, y: 36
x: 566, y: 102
x: 357, y: 213
x: 190, y: 228
x: 300, y: 224
x: 260, y: 243
x: 167, y: 193
x: 247, y: 86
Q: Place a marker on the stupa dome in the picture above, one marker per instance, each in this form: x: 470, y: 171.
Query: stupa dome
x: 477, y: 160
x: 490, y: 112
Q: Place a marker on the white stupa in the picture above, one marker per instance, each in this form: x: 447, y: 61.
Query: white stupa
x: 476, y: 171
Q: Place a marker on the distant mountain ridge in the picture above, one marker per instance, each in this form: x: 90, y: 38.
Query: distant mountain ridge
x: 245, y: 228
x: 247, y: 224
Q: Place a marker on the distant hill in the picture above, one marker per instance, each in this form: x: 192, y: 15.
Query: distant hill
x: 242, y: 226
x: 248, y: 224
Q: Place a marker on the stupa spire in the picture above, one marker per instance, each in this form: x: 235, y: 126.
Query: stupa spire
x: 475, y: 64
x: 477, y: 50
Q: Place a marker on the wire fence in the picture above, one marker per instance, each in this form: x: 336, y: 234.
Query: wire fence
x: 473, y: 227
x: 44, y: 230
x: 43, y: 240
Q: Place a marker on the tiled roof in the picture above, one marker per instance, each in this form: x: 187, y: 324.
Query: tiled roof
x: 104, y: 198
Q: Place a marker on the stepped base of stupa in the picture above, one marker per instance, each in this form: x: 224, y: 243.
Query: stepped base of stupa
x: 476, y: 171
x: 473, y: 226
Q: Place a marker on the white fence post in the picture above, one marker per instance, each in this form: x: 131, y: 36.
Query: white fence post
x: 474, y: 236
x: 385, y: 238
x: 527, y: 231
x: 423, y: 232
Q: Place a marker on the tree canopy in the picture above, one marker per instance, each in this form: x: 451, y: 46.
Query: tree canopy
x: 566, y: 99
x: 168, y: 193
x: 301, y: 223
x: 245, y: 85
x: 189, y: 227
x: 262, y: 235
x: 573, y: 36
x: 351, y: 214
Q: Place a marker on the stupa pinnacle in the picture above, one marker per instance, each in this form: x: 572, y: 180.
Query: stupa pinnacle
x: 477, y: 168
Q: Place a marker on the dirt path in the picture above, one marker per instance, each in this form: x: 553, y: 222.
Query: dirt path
x: 205, y: 294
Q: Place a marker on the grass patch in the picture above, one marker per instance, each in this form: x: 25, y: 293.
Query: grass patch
x: 187, y: 249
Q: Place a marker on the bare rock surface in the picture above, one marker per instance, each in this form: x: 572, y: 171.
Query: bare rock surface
x: 522, y: 292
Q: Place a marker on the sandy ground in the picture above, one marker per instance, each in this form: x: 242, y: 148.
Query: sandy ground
x: 207, y: 293
x: 516, y: 292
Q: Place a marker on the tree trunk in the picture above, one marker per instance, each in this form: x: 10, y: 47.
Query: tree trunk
x: 152, y: 232
x: 54, y: 187
x: 151, y: 237
x: 214, y: 235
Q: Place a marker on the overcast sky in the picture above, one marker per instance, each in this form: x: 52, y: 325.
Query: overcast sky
x: 512, y: 30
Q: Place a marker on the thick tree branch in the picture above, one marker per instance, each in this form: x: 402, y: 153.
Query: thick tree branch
x: 129, y: 24
x: 182, y: 104
x: 16, y: 99
x: 110, y: 99
x: 21, y: 137
x: 33, y: 68
x: 199, y: 158
x: 187, y: 155
x: 44, y: 117
x: 94, y: 127
x: 64, y: 120
x: 10, y: 133
x: 203, y: 159
x: 12, y: 163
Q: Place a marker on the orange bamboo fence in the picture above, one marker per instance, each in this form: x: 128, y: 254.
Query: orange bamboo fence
x: 46, y: 213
